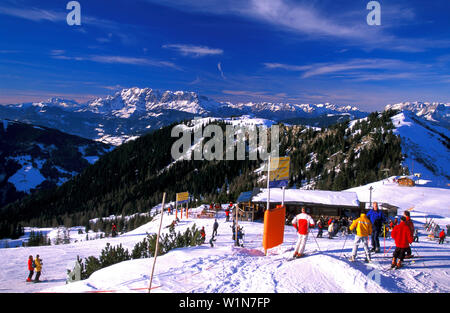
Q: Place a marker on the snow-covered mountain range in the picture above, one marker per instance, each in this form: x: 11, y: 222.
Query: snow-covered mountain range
x: 432, y: 111
x: 132, y: 112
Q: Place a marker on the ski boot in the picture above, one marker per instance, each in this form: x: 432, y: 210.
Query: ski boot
x: 394, y: 263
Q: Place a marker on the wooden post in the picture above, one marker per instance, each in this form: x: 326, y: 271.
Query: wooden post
x: 157, y: 242
x: 237, y: 222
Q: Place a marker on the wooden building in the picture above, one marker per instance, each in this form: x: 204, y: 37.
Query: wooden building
x: 317, y: 202
x: 405, y: 181
x: 252, y: 204
x: 248, y: 210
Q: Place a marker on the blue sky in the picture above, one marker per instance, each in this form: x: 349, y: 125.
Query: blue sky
x: 312, y: 51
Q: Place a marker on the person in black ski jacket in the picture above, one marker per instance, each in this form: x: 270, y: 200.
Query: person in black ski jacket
x: 215, y: 227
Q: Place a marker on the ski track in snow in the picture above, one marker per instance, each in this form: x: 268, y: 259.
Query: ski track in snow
x: 228, y: 269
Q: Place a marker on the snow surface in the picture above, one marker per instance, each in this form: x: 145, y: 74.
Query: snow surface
x: 425, y: 202
x: 426, y: 150
x: 27, y: 177
x: 228, y: 269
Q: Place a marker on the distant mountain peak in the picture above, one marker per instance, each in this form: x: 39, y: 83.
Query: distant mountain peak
x: 133, y: 111
x: 437, y: 112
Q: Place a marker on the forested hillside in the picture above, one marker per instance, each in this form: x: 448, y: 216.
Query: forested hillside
x: 133, y: 177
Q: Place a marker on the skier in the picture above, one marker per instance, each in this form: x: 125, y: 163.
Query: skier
x: 410, y: 224
x: 330, y: 228
x: 391, y: 225
x: 38, y: 268
x: 363, y: 230
x: 403, y: 238
x: 302, y: 222
x: 416, y: 235
x: 227, y: 213
x: 215, y: 227
x: 320, y: 226
x: 377, y: 219
x: 441, y: 237
x: 114, y: 230
x: 385, y: 231
x: 239, y: 237
x: 211, y: 241
x: 30, y: 268
x: 203, y: 234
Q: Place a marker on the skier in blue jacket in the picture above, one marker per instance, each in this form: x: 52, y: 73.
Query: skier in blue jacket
x: 377, y: 218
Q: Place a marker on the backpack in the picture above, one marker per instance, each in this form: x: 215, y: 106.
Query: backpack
x: 33, y: 264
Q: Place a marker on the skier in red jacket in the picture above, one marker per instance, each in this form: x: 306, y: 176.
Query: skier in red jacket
x: 410, y: 224
x: 441, y: 236
x: 30, y: 268
x: 403, y: 238
x: 227, y: 213
x: 302, y: 222
x: 203, y: 234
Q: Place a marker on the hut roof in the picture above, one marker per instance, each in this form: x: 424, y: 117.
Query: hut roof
x: 324, y: 197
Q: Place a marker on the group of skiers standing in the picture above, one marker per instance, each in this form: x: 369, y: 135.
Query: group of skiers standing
x: 371, y: 225
x: 34, y: 265
x: 366, y: 225
x: 332, y: 225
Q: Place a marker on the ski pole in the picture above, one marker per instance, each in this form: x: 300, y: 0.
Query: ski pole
x: 415, y: 250
x: 316, y: 243
x: 388, y: 250
x: 343, y: 246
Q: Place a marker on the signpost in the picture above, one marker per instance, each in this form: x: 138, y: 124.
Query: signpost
x: 182, y: 197
x: 277, y: 176
x: 157, y: 243
x: 278, y: 173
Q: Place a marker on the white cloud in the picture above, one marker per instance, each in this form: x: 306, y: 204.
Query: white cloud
x: 287, y: 66
x: 33, y: 14
x: 349, y: 67
x: 114, y: 59
x: 219, y: 67
x: 192, y: 50
x: 305, y: 18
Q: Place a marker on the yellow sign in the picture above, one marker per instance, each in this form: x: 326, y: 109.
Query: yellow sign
x: 182, y: 197
x: 279, y: 168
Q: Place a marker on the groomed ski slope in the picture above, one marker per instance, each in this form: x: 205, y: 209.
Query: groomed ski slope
x: 228, y: 269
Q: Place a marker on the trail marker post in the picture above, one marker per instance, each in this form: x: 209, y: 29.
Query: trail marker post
x: 157, y: 243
